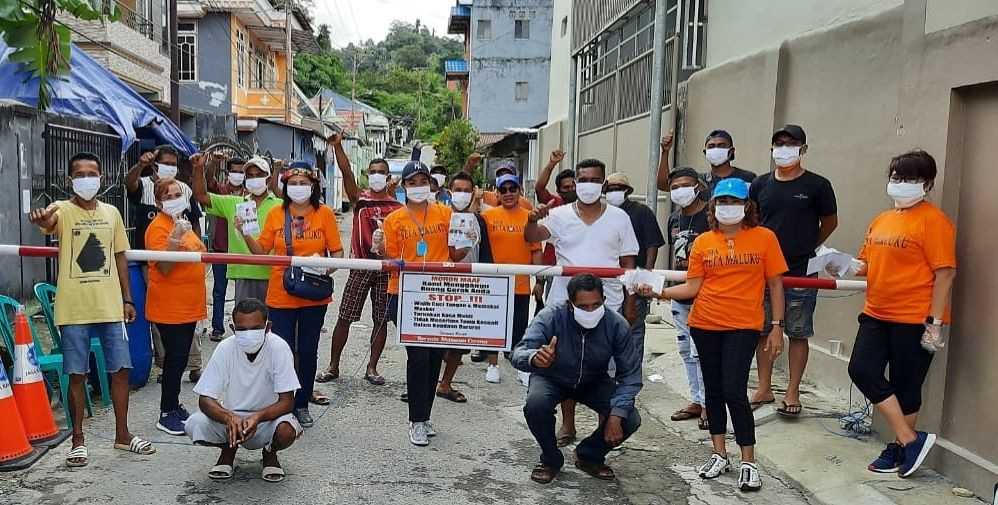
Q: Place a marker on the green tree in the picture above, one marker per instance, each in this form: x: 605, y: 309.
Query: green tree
x: 455, y: 143
x: 313, y: 72
x: 29, y: 27
x: 323, y: 38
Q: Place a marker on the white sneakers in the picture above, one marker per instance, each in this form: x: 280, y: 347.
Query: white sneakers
x: 430, y: 431
x: 492, y: 374
x: 748, y: 475
x: 714, y: 466
x: 419, y: 434
x: 524, y: 377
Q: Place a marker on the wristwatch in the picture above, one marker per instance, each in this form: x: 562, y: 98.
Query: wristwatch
x: 931, y: 321
x: 778, y: 322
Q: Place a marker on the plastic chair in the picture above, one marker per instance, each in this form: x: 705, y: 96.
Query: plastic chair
x: 51, y: 362
x: 45, y: 293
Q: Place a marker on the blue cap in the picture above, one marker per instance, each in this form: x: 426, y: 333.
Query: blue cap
x: 503, y: 179
x: 414, y: 167
x: 732, y: 186
x: 719, y: 133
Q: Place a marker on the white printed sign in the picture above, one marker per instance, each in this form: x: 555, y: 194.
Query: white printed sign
x: 5, y: 391
x: 247, y: 212
x: 26, y: 369
x: 456, y: 311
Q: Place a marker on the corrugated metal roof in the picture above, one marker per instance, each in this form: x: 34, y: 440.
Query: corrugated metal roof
x: 487, y: 139
x: 456, y: 66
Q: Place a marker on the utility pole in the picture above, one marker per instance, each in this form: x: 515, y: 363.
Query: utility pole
x: 289, y: 79
x: 174, y: 66
x: 353, y: 93
x: 657, y: 97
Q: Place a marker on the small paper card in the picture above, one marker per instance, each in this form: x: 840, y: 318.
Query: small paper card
x: 247, y: 212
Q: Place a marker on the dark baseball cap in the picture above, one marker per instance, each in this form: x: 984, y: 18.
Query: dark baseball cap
x: 684, y: 172
x: 506, y: 165
x: 794, y: 131
x: 413, y: 168
x: 719, y: 133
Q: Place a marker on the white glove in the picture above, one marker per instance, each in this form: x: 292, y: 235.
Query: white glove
x: 180, y: 228
x: 377, y: 240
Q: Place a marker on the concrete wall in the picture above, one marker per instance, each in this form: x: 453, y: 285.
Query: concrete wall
x: 499, y: 63
x: 213, y: 90
x: 943, y: 14
x: 561, y: 61
x: 736, y: 28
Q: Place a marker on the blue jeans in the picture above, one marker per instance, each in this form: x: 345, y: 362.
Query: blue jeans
x: 218, y: 289
x: 688, y: 351
x: 544, y: 394
x: 76, y: 347
x: 300, y: 328
x: 799, y: 319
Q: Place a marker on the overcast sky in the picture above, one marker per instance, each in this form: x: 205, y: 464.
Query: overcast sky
x: 356, y: 20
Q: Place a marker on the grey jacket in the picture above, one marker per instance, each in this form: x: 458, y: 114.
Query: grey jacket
x: 582, y: 356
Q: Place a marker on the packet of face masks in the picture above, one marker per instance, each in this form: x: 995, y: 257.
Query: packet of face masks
x: 247, y: 212
x: 634, y: 278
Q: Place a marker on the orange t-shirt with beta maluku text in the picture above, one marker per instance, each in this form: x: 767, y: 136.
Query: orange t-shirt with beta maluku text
x: 505, y: 228
x: 180, y: 296
x: 402, y: 236
x: 315, y: 233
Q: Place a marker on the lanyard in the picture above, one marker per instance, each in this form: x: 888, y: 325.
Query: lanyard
x: 420, y: 225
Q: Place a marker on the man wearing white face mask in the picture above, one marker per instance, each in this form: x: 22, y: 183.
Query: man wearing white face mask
x: 250, y: 280
x: 719, y: 151
x: 254, y: 371
x: 552, y: 352
x: 799, y: 206
x: 218, y: 230
x: 586, y: 233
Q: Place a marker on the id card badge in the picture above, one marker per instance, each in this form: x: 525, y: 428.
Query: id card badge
x: 421, y: 248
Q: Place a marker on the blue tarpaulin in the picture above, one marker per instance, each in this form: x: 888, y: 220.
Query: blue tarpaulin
x: 92, y: 92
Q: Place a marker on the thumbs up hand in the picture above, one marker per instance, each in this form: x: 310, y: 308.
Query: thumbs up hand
x: 544, y: 356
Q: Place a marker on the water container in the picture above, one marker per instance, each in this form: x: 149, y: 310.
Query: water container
x: 139, y: 337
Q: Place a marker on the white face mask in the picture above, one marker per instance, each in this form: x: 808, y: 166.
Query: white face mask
x: 588, y: 320
x: 175, y: 207
x: 417, y: 194
x: 440, y: 178
x: 460, y: 201
x: 716, y: 156
x: 588, y: 192
x: 432, y: 197
x: 299, y: 194
x: 786, y: 156
x: 257, y: 185
x: 729, y: 214
x: 86, y: 187
x: 616, y: 198
x: 377, y: 182
x: 236, y: 178
x: 906, y: 194
x: 683, y: 197
x: 250, y: 341
x: 164, y: 171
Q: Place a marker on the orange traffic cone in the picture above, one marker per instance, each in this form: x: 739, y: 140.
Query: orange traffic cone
x: 29, y: 386
x: 15, y: 451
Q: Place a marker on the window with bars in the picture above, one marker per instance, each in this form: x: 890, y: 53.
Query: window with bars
x: 521, y: 29
x: 522, y: 91
x: 694, y: 34
x: 240, y: 58
x: 187, y: 53
x: 259, y: 69
x: 484, y: 29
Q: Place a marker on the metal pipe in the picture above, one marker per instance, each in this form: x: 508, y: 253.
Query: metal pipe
x: 657, y: 92
x: 573, y: 86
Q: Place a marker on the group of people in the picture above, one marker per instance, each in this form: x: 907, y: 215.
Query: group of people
x: 737, y: 235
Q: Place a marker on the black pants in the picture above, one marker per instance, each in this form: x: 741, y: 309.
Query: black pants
x: 422, y: 372
x: 725, y: 360
x: 544, y: 394
x: 882, y: 343
x: 177, y: 339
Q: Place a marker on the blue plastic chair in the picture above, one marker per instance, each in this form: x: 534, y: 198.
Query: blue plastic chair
x: 45, y: 293
x: 47, y: 362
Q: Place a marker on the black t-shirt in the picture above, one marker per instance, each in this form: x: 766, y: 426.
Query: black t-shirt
x: 646, y: 229
x: 143, y: 214
x: 791, y: 209
x: 712, y: 181
x: 683, y: 230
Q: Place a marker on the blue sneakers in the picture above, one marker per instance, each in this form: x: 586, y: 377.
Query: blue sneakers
x: 913, y: 454
x: 889, y: 460
x: 170, y: 422
x: 183, y: 413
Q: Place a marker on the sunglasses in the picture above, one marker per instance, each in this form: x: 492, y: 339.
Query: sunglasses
x: 508, y: 189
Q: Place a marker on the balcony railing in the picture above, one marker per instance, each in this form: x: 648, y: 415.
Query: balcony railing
x: 146, y: 27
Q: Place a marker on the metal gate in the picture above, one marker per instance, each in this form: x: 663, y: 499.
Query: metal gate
x: 61, y: 143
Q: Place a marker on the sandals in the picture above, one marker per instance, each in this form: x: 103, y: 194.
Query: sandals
x: 272, y: 474
x: 454, y: 396
x: 601, y: 472
x: 137, y: 446
x: 790, y: 409
x: 326, y: 376
x: 320, y: 399
x: 375, y: 380
x: 221, y: 472
x: 703, y: 424
x: 683, y: 415
x: 543, y: 474
x: 759, y: 403
x: 565, y: 440
x: 75, y: 455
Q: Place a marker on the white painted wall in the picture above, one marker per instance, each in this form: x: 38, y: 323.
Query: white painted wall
x: 943, y: 14
x: 561, y: 62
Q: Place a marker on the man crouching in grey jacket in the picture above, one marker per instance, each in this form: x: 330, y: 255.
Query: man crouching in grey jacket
x: 567, y: 349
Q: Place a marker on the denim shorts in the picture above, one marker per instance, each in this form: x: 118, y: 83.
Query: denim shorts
x: 76, y: 346
x: 799, y: 318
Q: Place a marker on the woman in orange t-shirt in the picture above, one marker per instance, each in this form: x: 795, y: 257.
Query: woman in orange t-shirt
x: 729, y: 269
x: 176, y: 298
x: 297, y: 320
x: 909, y: 260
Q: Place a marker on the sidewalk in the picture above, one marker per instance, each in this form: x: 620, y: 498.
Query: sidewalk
x: 811, y: 453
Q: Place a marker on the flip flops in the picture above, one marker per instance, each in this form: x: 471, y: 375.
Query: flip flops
x: 375, y: 380
x: 221, y: 472
x: 683, y: 415
x: 77, y: 453
x: 137, y: 446
x: 326, y: 376
x: 272, y: 474
x: 565, y: 440
x: 790, y: 409
x: 759, y: 403
x: 454, y: 396
x: 319, y: 399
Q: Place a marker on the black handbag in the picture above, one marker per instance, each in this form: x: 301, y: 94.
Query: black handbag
x: 300, y: 283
